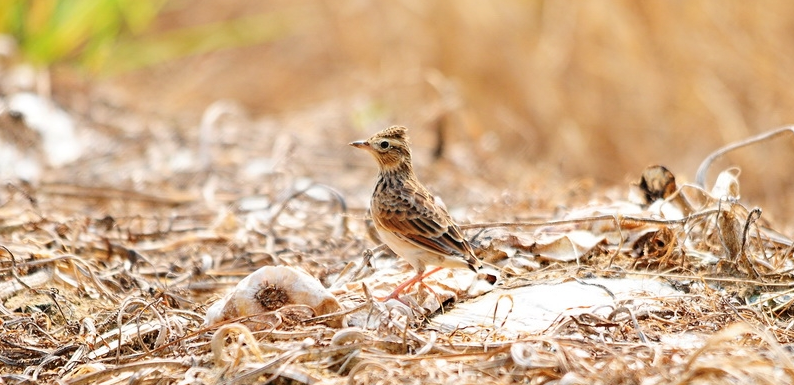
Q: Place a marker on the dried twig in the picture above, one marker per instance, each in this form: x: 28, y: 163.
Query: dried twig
x: 700, y: 177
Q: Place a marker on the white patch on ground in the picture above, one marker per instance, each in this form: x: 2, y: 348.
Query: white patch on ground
x: 532, y: 309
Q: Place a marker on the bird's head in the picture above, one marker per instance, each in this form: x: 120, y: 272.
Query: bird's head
x: 389, y: 147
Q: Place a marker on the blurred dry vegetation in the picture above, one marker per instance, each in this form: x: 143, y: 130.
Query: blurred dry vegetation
x: 587, y: 90
x: 204, y: 124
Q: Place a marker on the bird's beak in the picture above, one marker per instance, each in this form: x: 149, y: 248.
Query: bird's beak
x: 362, y: 144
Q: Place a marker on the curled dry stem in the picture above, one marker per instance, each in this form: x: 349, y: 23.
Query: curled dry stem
x: 703, y: 169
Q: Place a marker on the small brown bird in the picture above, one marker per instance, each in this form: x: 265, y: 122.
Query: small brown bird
x: 406, y: 215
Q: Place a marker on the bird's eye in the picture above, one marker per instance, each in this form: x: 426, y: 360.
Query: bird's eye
x: 384, y: 144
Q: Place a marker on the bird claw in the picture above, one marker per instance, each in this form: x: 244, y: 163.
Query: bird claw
x: 418, y: 278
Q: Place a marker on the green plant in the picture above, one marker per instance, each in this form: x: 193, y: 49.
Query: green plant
x: 112, y: 36
x: 84, y: 31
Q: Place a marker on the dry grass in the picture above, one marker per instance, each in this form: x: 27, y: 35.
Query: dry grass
x: 596, y: 90
x: 112, y: 284
x: 519, y: 110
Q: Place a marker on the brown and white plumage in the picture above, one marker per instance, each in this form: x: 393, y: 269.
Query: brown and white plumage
x: 406, y: 215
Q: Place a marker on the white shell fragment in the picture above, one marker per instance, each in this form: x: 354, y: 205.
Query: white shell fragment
x: 727, y: 184
x: 566, y: 247
x: 268, y: 289
x: 533, y: 309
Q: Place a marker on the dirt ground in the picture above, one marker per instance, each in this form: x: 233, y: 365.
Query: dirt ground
x: 535, y: 121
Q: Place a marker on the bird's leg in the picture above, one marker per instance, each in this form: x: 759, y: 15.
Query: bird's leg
x: 429, y: 273
x: 417, y: 278
x: 400, y: 288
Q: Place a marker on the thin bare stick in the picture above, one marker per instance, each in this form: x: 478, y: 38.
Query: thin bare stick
x: 620, y: 219
x: 700, y: 177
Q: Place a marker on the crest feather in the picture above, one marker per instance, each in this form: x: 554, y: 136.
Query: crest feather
x: 395, y: 132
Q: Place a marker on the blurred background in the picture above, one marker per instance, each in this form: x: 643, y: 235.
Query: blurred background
x: 517, y: 95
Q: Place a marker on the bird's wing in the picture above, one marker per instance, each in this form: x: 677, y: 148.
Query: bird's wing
x: 414, y: 216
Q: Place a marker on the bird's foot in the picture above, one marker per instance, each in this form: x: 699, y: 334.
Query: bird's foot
x: 418, y: 278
